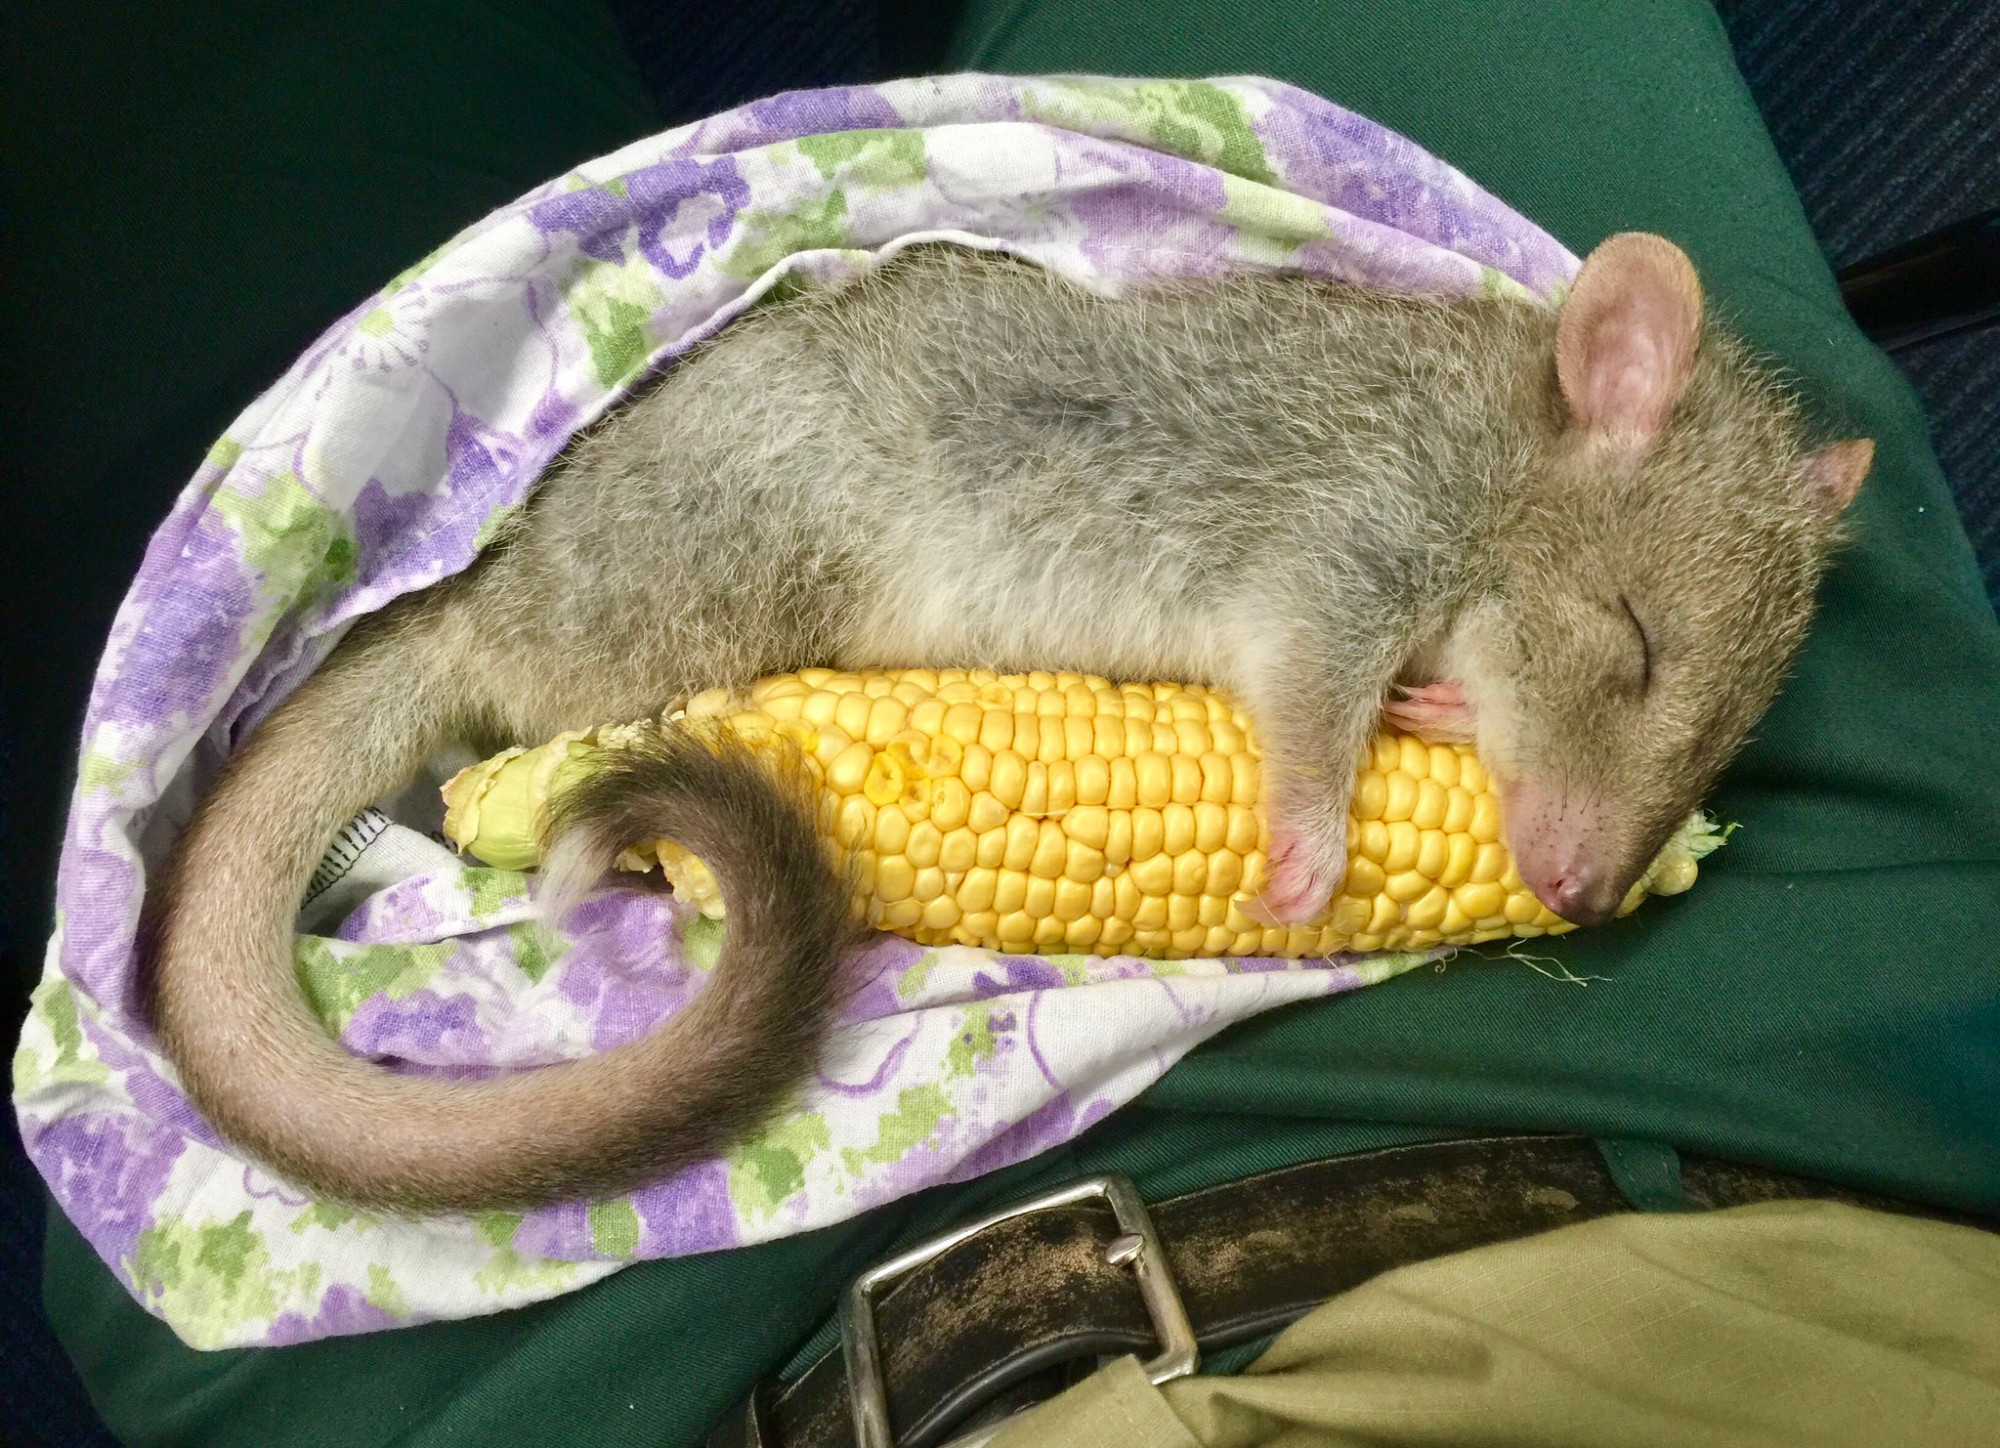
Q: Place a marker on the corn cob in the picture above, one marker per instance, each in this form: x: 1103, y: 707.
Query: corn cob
x: 1060, y: 812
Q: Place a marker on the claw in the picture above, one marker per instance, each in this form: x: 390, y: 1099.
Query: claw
x: 1437, y: 712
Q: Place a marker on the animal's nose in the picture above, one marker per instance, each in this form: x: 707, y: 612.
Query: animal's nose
x: 1582, y: 895
x: 1569, y: 848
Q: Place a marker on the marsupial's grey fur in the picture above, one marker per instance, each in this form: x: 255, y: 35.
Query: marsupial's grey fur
x: 1604, y: 527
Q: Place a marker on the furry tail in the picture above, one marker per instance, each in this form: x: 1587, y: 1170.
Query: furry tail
x: 269, y: 1077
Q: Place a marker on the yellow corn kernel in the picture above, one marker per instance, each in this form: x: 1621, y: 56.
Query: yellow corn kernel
x: 850, y: 714
x: 1433, y: 852
x: 884, y: 782
x: 848, y: 769
x: 1051, y: 850
x: 886, y: 717
x: 1243, y: 781
x: 1460, y: 852
x: 1021, y: 831
x: 1432, y: 801
x: 1117, y: 837
x: 1402, y: 852
x: 985, y: 813
x: 1427, y: 910
x: 1401, y: 802
x: 962, y: 722
x: 1062, y: 812
x: 1126, y: 898
x: 1148, y: 831
x: 1405, y: 887
x: 1485, y: 826
x: 1153, y: 875
x: 928, y: 885
x: 892, y: 831
x: 1062, y: 787
x: 1245, y: 829
x: 975, y: 891
x: 1082, y: 863
x: 958, y: 851
x: 1482, y: 901
x: 1072, y: 901
x: 895, y: 877
x: 1211, y: 826
x: 926, y: 839
x: 1124, y: 789
x: 1035, y: 790
x: 1365, y: 877
x: 1011, y: 891
x: 951, y: 804
x: 1088, y: 825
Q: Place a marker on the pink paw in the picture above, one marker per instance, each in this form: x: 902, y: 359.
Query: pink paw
x: 1302, y: 880
x: 1436, y: 712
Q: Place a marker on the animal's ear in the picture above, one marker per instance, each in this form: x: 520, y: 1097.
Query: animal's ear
x: 1627, y: 338
x: 1836, y: 471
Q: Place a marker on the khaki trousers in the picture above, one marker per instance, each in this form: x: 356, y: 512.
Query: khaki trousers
x: 1778, y: 1324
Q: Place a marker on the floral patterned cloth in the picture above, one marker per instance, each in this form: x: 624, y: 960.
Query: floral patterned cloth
x: 381, y: 462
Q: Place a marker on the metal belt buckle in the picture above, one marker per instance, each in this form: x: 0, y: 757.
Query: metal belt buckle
x: 1137, y: 1244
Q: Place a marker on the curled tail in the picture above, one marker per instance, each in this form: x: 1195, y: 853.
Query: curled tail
x: 264, y: 1070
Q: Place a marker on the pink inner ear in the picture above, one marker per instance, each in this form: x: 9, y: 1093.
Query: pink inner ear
x: 1628, y: 334
x: 1835, y: 473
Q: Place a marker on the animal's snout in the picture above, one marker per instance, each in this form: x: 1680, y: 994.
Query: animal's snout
x: 1582, y: 895
x: 1566, y: 847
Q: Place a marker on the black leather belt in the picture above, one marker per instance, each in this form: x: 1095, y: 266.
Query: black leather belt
x: 1007, y: 1311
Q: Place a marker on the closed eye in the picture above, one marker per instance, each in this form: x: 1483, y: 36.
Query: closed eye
x: 1645, y: 644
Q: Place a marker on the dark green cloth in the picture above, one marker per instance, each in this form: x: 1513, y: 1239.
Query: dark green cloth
x: 192, y: 193
x: 1822, y: 1002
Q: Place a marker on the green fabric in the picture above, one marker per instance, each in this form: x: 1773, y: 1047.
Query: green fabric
x: 264, y: 165
x: 1790, y: 1323
x: 1821, y: 1002
x: 1648, y: 1174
